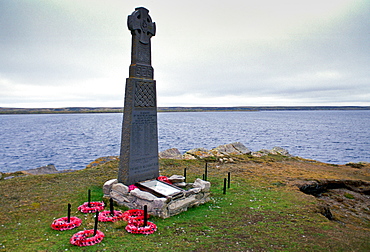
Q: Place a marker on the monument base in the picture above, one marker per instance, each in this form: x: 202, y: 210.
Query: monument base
x: 193, y: 194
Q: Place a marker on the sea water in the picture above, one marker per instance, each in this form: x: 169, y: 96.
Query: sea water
x: 71, y: 141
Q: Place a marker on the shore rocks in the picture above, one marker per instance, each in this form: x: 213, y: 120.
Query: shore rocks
x: 280, y: 151
x: 241, y: 148
x: 188, y: 156
x: 101, y: 160
x: 273, y: 151
x: 48, y: 169
x: 200, y: 153
x: 222, y: 153
x: 172, y: 153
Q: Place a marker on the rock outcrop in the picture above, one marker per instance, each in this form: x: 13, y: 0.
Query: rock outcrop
x: 273, y: 151
x: 222, y: 153
x: 172, y: 153
x: 101, y: 160
x: 48, y: 169
x: 199, y: 153
x: 339, y: 198
x: 230, y: 149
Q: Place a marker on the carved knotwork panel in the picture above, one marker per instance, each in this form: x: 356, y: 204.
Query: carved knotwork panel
x: 144, y: 94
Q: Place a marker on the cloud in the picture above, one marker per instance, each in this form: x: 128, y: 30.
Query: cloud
x: 70, y: 53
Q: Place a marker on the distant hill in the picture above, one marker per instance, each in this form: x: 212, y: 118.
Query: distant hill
x: 67, y: 110
x: 172, y: 109
x: 260, y: 108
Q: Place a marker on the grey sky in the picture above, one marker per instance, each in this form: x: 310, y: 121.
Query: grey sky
x: 231, y: 53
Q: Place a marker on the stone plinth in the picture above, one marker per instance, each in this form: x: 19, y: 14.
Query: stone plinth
x: 198, y: 194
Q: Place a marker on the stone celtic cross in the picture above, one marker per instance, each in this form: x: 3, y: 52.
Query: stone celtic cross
x: 141, y: 24
x: 139, y: 144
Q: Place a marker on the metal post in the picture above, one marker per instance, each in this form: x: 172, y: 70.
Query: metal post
x: 224, y: 185
x: 205, y: 172
x: 96, y: 222
x: 89, y: 198
x: 69, y: 213
x: 111, y: 207
x: 145, y: 216
x: 228, y: 180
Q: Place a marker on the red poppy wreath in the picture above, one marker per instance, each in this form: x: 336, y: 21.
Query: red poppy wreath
x: 106, y: 216
x: 139, y: 228
x: 91, y: 207
x: 87, y: 238
x: 134, y: 215
x: 62, y: 224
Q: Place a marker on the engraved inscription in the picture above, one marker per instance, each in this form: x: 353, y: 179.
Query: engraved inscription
x: 144, y: 145
x: 144, y: 94
x: 144, y: 132
x: 143, y: 168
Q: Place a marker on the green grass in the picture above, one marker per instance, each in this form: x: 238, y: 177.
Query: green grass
x: 257, y: 215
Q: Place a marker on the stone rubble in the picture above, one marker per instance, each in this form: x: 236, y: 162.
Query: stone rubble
x: 161, y: 207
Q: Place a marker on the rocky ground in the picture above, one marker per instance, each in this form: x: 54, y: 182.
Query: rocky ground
x: 343, y: 191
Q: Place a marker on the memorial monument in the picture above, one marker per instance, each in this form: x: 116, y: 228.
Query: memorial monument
x: 139, y: 147
x: 139, y: 144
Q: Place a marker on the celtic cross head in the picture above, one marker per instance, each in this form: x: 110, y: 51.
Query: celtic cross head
x: 140, y: 24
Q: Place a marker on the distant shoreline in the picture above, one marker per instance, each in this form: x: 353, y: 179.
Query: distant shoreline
x: 74, y: 110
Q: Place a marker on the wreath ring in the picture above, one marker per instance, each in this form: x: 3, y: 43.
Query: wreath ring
x: 134, y: 215
x: 62, y: 224
x: 87, y: 238
x: 94, y: 207
x: 139, y: 228
x: 106, y: 216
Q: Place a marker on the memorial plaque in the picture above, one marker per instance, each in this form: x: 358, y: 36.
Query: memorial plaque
x: 139, y: 145
x: 160, y: 189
